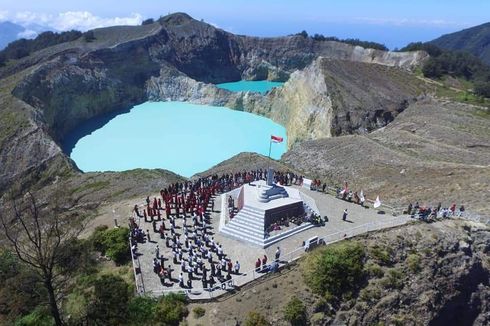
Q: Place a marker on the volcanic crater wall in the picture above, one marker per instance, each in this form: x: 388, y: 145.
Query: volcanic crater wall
x: 177, y: 58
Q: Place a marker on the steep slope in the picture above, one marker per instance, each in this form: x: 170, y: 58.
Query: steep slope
x: 330, y: 97
x: 475, y: 40
x: 418, y: 274
x: 64, y: 85
x: 433, y: 151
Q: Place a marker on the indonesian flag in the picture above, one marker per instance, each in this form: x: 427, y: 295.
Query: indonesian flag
x: 276, y: 139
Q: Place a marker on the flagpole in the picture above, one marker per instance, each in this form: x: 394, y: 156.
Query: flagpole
x: 270, y: 147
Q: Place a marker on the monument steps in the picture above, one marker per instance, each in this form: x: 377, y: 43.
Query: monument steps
x: 246, y: 231
x: 265, y: 204
x: 240, y: 237
x: 258, y: 212
x: 247, y: 225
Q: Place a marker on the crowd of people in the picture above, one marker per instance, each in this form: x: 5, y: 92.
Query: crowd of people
x: 428, y: 213
x: 180, y: 216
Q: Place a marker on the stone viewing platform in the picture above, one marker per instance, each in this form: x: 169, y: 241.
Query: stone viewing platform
x: 244, y: 239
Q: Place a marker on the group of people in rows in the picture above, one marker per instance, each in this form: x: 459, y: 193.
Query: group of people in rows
x: 430, y: 213
x: 181, y: 217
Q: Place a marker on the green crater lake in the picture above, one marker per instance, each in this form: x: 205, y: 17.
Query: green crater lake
x: 260, y: 86
x: 180, y: 137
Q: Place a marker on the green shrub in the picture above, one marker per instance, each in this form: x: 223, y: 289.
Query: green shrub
x: 370, y: 294
x: 413, y: 262
x: 39, y: 317
x: 381, y: 255
x: 113, y: 243
x: 374, y: 270
x: 256, y: 319
x: 171, y: 309
x: 198, y: 312
x: 295, y: 312
x: 393, y: 279
x: 141, y: 310
x: 335, y: 269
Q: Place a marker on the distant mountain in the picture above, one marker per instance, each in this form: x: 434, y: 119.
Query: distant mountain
x: 475, y: 40
x: 9, y: 32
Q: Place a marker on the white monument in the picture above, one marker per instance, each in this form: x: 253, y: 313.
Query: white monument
x: 263, y: 204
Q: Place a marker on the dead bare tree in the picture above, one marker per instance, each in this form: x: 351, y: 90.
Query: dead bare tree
x: 37, y: 233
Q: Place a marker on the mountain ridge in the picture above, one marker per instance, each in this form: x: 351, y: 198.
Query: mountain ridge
x: 475, y: 40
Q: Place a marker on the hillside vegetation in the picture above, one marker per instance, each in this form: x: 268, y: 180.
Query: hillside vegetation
x: 457, y: 64
x: 474, y: 40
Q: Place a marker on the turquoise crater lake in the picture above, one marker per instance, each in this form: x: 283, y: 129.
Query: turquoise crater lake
x: 180, y: 137
x: 260, y: 86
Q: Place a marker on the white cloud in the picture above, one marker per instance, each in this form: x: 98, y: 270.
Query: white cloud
x: 79, y: 20
x: 28, y: 34
x: 84, y: 20
x: 3, y: 15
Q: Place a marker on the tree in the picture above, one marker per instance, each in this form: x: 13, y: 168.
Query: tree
x: 89, y: 36
x: 303, y: 34
x: 295, y: 312
x: 335, y: 270
x: 148, y: 21
x: 110, y: 303
x: 37, y: 234
x: 482, y: 88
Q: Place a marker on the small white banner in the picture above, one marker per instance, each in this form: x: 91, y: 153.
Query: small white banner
x: 306, y: 183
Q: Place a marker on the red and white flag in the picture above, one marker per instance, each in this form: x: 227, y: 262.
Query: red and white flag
x: 276, y: 139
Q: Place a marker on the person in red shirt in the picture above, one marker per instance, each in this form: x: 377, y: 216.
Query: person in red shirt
x: 257, y: 265
x: 264, y: 262
x: 453, y: 209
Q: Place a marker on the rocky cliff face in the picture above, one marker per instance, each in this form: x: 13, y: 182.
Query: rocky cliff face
x: 328, y: 98
x: 174, y: 58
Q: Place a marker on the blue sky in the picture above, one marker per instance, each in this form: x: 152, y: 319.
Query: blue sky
x: 394, y: 23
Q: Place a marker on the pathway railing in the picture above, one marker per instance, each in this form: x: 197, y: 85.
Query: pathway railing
x: 222, y: 288
x: 137, y: 271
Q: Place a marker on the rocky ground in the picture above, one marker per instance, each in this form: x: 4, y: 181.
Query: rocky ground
x: 420, y: 274
x: 433, y: 152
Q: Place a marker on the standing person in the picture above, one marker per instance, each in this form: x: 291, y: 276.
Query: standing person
x: 157, y: 252
x: 181, y: 280
x: 169, y: 273
x: 257, y: 265
x: 264, y: 262
x: 344, y: 216
x: 237, y: 267
x: 278, y: 253
x: 453, y: 209
x: 148, y: 235
x: 461, y: 211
